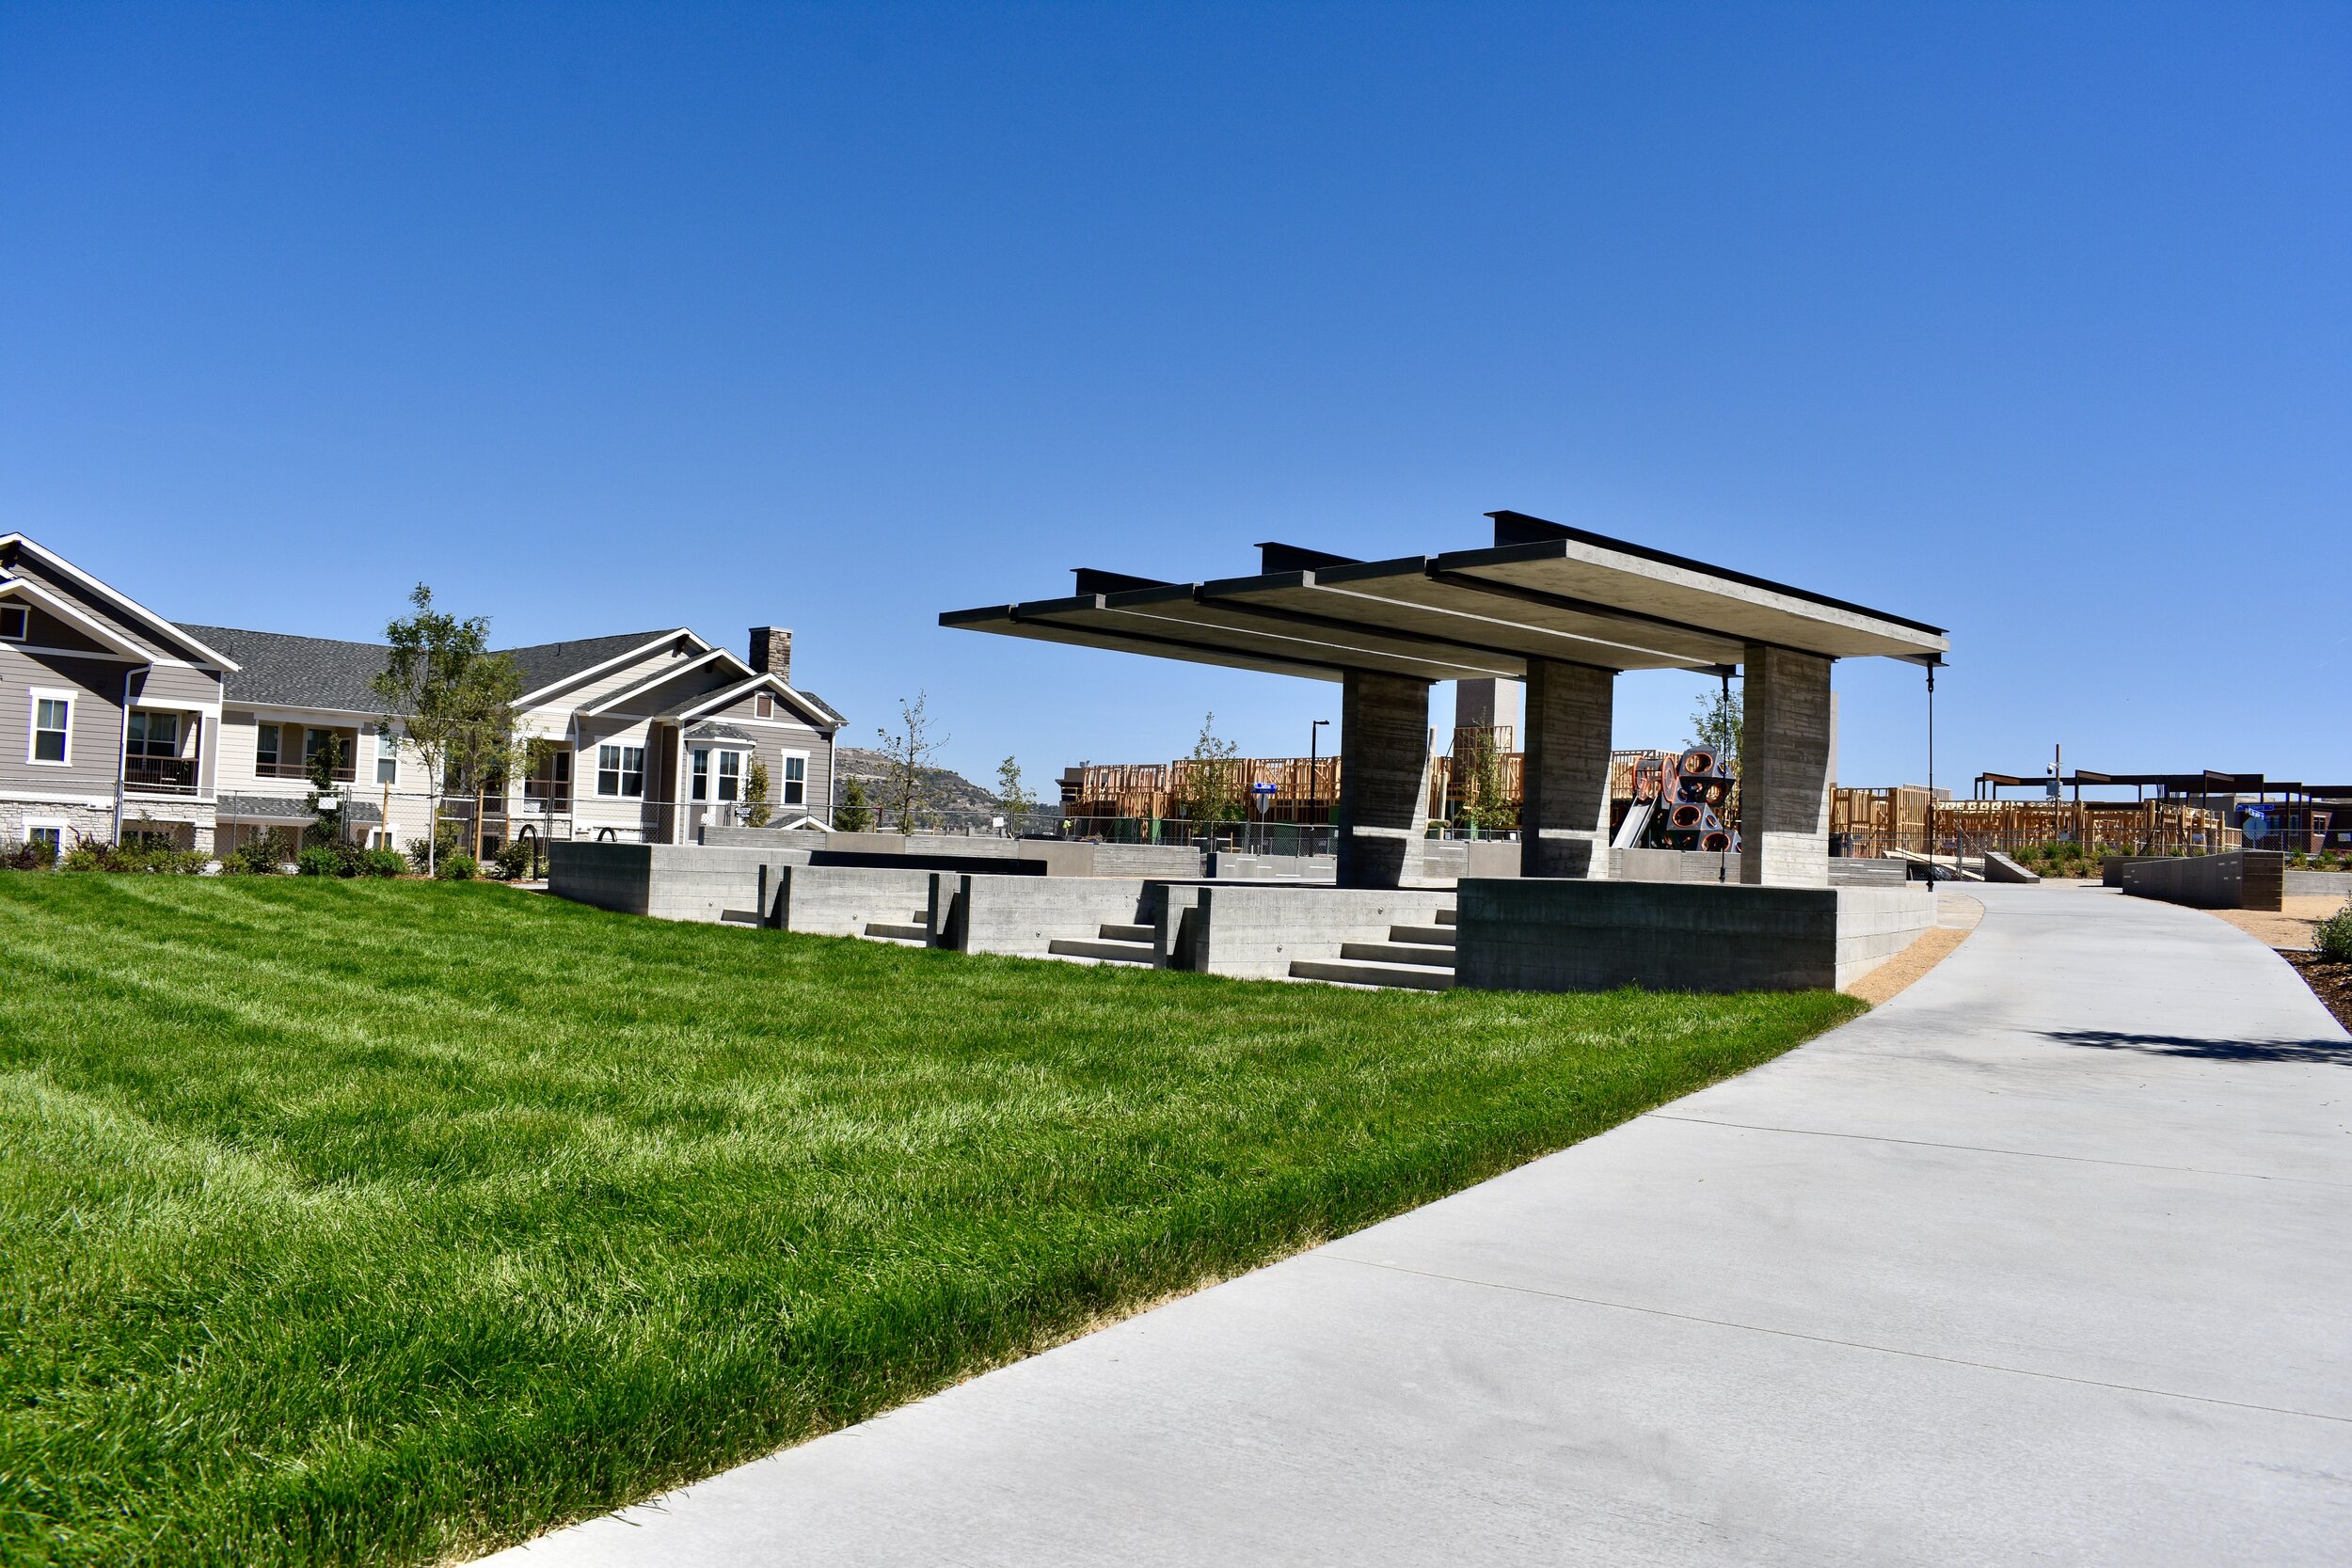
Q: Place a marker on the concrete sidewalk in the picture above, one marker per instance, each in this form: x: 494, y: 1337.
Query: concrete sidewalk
x: 2046, y: 1260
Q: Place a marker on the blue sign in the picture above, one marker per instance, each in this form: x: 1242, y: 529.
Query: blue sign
x: 1261, y: 789
x: 2256, y: 826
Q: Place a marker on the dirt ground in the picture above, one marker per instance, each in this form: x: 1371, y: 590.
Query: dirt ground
x: 1956, y: 916
x: 2288, y: 931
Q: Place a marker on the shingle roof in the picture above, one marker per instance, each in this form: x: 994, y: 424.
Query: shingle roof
x: 545, y: 663
x: 320, y: 672
x: 297, y: 672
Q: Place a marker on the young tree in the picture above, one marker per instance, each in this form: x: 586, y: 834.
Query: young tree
x: 454, y: 700
x: 487, y: 748
x: 756, y: 811
x: 321, y: 767
x: 1716, y: 724
x: 1484, y: 807
x: 1208, y: 791
x: 908, y: 785
x: 850, y: 813
x: 1014, y: 795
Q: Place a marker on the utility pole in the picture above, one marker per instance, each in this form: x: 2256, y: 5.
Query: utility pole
x: 1315, y: 780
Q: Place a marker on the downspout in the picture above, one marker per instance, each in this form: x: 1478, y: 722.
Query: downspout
x: 122, y: 742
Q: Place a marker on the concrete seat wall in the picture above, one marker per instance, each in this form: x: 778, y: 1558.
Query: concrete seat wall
x: 1565, y: 935
x: 841, y: 900
x: 1023, y: 916
x: 1256, y: 931
x: 668, y: 882
x: 2236, y: 880
x: 2315, y: 884
x: 1674, y: 866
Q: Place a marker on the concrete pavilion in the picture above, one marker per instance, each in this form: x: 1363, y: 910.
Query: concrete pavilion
x: 1555, y: 607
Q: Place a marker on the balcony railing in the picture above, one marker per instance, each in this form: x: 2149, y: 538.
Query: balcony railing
x: 160, y: 775
x: 298, y: 770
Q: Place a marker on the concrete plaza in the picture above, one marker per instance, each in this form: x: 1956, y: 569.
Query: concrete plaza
x: 2045, y: 1260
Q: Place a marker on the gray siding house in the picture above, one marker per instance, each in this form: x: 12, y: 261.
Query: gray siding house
x: 114, y: 723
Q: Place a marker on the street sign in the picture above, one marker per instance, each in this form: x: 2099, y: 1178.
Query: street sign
x: 1261, y: 797
x: 2256, y: 826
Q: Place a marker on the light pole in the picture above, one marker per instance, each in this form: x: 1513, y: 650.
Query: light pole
x: 1315, y: 780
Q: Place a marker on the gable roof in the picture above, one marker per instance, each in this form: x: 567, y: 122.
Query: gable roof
x: 299, y: 672
x: 13, y: 546
x: 549, y: 664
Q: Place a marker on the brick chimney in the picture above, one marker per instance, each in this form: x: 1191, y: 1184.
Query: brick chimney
x: 771, y: 652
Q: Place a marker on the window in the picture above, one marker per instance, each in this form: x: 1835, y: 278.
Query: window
x: 765, y: 705
x: 620, y: 770
x: 153, y: 734
x: 702, y: 774
x: 14, y: 621
x: 550, y: 782
x: 327, y: 743
x: 730, y: 775
x: 387, y: 756
x: 795, y: 780
x: 53, y: 720
x: 50, y: 834
x: 264, y: 750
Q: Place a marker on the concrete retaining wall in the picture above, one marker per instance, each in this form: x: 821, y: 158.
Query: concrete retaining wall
x: 1023, y: 915
x: 2315, y: 884
x: 839, y: 900
x: 1848, y: 871
x: 1229, y: 865
x: 1548, y: 935
x: 2235, y: 880
x: 715, y: 836
x: 1255, y: 932
x: 669, y: 882
x: 1053, y: 857
x: 2000, y: 868
x: 1674, y: 866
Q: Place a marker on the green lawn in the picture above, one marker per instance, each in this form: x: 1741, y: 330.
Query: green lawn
x: 351, y: 1222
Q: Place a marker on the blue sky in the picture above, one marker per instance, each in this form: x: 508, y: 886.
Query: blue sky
x: 2034, y: 323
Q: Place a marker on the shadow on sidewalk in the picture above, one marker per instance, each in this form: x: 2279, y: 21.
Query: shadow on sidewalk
x: 2212, y: 1051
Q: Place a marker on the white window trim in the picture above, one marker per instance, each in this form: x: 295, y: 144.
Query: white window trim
x: 55, y: 824
x: 782, y: 757
x: 34, y: 696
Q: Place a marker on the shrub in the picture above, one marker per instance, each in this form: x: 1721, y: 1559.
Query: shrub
x: 516, y: 859
x: 318, y: 860
x: 444, y: 836
x: 263, y: 855
x: 2333, y: 937
x: 382, y: 863
x: 458, y: 867
x: 34, y: 854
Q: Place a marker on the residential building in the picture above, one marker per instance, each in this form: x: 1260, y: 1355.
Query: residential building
x: 203, y: 737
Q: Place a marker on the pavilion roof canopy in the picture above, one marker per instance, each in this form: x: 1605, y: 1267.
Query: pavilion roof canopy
x: 1542, y: 590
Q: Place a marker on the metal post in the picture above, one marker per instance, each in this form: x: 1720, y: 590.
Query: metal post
x: 1315, y: 780
x: 1931, y: 767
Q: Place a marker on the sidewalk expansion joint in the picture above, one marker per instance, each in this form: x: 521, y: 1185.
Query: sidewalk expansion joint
x: 1828, y: 1339
x: 2013, y: 1154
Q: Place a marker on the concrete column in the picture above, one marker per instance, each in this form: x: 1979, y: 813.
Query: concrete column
x: 1563, y: 824
x: 1786, y: 741
x: 1384, y: 779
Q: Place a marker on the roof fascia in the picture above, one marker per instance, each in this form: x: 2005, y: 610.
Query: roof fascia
x: 106, y: 591
x: 651, y: 682
x: 578, y: 675
x: 65, y: 610
x: 824, y: 720
x: 1547, y: 549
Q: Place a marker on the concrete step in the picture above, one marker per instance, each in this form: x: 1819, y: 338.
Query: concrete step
x: 1113, y: 932
x: 894, y: 942
x: 1095, y: 948
x: 1352, y: 971
x: 1445, y: 917
x: 1420, y: 954
x: 917, y: 931
x: 1430, y: 936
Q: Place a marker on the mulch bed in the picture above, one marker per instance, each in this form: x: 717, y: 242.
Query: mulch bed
x: 2330, y: 983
